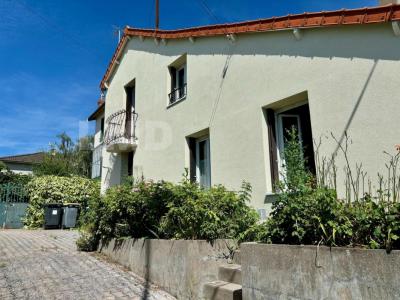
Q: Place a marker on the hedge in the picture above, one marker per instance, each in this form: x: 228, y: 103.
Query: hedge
x: 54, y: 189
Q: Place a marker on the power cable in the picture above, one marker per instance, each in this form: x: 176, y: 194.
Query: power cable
x: 55, y: 27
x: 208, y: 10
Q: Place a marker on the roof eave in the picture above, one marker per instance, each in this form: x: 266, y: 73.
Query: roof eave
x: 97, y: 112
x: 371, y: 15
x: 120, y: 48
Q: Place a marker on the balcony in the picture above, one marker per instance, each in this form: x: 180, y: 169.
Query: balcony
x: 120, y: 132
x: 177, y: 94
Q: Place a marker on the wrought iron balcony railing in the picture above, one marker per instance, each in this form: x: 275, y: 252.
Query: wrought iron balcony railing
x: 120, y: 131
x: 177, y: 94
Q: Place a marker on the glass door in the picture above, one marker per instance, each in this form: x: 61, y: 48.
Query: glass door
x: 203, y: 166
x: 285, y: 124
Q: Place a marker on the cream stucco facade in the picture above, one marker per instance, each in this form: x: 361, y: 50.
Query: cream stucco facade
x: 349, y: 76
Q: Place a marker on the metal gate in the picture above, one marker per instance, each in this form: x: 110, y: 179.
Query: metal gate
x: 13, y: 205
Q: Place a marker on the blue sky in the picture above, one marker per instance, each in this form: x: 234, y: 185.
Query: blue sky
x: 53, y: 54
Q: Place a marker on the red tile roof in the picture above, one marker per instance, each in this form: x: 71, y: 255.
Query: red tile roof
x: 368, y: 15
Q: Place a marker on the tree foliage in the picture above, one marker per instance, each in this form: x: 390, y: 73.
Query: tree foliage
x: 6, y: 176
x: 65, y: 158
x: 55, y: 189
x: 166, y: 210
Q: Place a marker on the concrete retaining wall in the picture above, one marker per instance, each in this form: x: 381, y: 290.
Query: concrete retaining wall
x: 302, y: 272
x: 179, y: 267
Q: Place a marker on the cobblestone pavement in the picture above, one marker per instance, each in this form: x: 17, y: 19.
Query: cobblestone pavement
x: 39, y: 264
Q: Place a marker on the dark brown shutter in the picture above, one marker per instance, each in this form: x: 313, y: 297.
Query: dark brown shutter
x: 101, y: 129
x: 273, y: 155
x: 130, y: 97
x: 172, y: 71
x: 130, y: 163
x: 192, y: 153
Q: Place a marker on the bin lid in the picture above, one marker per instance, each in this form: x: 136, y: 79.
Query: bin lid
x: 52, y: 205
x: 72, y: 205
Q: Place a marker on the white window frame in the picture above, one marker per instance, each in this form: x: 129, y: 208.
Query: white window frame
x: 198, y: 141
x: 183, y: 67
x: 281, y: 139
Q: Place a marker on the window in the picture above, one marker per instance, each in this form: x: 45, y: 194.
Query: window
x: 200, y: 162
x: 97, y: 162
x: 130, y: 102
x: 203, y: 166
x: 298, y: 118
x: 178, y: 74
x: 127, y: 159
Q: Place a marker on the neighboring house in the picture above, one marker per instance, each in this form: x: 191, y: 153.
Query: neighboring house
x: 97, y: 158
x: 22, y: 164
x: 218, y: 99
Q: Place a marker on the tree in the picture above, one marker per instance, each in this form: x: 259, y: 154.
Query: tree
x: 66, y: 158
x: 83, y: 155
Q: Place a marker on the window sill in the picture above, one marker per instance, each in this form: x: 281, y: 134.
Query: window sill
x: 271, y: 198
x: 176, y: 102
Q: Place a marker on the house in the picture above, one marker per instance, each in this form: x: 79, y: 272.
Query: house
x: 22, y: 164
x: 217, y: 100
x: 97, y: 156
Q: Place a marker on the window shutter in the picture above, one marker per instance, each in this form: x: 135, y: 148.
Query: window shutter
x: 273, y: 156
x: 172, y: 71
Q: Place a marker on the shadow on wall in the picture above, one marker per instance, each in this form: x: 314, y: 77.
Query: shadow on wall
x: 146, y: 244
x: 353, y: 112
x: 355, y: 41
x: 147, y: 251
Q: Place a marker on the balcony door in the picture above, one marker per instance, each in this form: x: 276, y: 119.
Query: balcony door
x: 130, y: 108
x: 203, y: 162
x: 181, y: 76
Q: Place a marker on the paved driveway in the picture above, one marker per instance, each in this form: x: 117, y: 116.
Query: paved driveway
x: 42, y: 264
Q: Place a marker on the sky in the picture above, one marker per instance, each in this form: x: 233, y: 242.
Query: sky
x: 53, y: 54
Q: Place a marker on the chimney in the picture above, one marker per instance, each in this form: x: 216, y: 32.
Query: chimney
x: 386, y: 2
x: 100, y: 102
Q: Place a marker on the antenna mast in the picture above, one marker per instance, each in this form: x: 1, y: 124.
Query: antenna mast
x: 117, y: 32
x: 157, y: 14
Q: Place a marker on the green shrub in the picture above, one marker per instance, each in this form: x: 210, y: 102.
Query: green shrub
x: 134, y: 212
x: 86, y: 242
x: 374, y: 224
x: 53, y: 189
x: 196, y: 213
x: 7, y: 176
x: 166, y: 210
x: 310, y: 217
x: 307, y: 213
x: 3, y: 167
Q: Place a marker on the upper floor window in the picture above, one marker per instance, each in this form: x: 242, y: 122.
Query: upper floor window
x: 178, y: 73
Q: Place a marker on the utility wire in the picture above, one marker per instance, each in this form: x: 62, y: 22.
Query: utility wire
x: 55, y: 27
x: 208, y: 10
x: 221, y: 85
